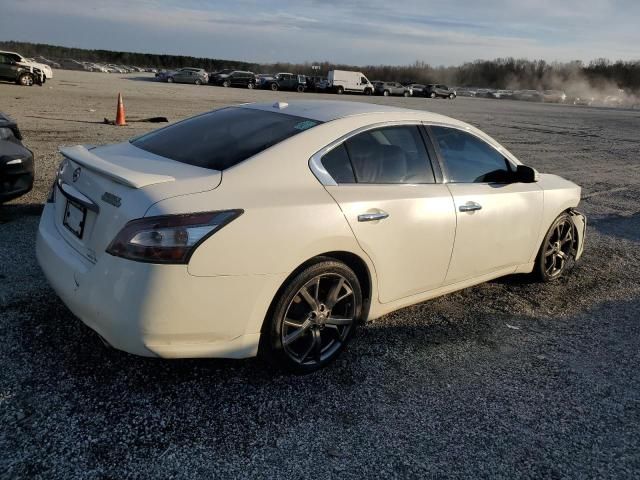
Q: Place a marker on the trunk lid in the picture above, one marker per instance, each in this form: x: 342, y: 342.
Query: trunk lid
x: 100, y: 189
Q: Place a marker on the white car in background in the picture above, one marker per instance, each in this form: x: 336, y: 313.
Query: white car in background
x: 44, y: 68
x: 277, y: 228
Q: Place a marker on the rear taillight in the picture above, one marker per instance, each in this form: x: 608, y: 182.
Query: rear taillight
x: 168, y: 238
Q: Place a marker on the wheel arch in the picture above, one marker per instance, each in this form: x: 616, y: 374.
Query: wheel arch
x: 350, y: 259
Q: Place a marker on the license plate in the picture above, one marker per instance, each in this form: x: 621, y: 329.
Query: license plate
x: 74, y: 218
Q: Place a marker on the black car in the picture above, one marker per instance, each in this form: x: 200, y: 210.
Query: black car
x: 418, y: 89
x: 440, y: 91
x: 285, y: 81
x: 16, y: 161
x: 234, y: 78
x: 14, y: 70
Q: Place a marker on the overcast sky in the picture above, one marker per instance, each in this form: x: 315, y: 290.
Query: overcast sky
x: 444, y: 32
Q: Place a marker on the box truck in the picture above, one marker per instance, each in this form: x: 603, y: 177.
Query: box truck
x: 341, y: 81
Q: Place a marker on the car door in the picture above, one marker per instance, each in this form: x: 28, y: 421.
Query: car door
x: 400, y: 216
x: 498, y: 219
x: 5, y: 67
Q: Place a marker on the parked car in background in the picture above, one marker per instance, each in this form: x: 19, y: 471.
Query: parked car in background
x: 341, y: 81
x: 14, y: 70
x: 528, y: 95
x: 16, y: 161
x: 197, y: 76
x: 174, y: 244
x: 285, y: 81
x: 236, y: 78
x: 584, y: 100
x: 46, y: 61
x: 500, y: 94
x: 440, y: 91
x: 418, y: 89
x: 465, y: 91
x: 392, y: 88
x: 554, y: 96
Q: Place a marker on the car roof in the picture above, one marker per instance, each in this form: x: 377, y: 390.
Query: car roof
x: 328, y: 110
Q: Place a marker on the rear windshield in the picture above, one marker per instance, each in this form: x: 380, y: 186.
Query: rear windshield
x: 222, y: 138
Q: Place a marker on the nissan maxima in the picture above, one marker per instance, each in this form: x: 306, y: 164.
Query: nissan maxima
x: 278, y: 228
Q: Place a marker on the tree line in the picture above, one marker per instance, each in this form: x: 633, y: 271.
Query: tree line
x: 498, y: 73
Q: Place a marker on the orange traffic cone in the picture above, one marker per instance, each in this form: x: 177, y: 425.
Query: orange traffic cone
x: 120, y: 120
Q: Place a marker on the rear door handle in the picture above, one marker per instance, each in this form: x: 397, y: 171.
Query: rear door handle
x: 371, y: 217
x: 470, y: 207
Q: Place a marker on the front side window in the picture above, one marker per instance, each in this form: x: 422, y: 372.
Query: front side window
x: 388, y: 155
x: 467, y: 159
x: 223, y: 138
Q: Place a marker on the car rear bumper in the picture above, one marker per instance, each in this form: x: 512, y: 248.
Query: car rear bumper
x: 156, y: 310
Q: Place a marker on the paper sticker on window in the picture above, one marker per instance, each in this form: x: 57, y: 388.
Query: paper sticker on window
x: 305, y: 125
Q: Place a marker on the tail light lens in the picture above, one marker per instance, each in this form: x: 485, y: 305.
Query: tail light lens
x: 169, y: 238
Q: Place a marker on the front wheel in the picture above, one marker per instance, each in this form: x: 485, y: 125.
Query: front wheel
x: 274, y: 87
x: 407, y: 94
x: 558, y: 251
x: 226, y: 84
x: 169, y: 80
x: 314, y: 317
x: 198, y: 82
x: 300, y: 89
x: 386, y: 93
x: 25, y: 79
x: 339, y: 90
x: 367, y: 91
x: 250, y: 85
x: 432, y: 95
x: 451, y: 96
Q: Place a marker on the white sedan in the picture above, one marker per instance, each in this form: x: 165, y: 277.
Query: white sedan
x: 277, y: 228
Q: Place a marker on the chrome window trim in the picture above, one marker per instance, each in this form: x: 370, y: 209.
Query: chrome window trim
x: 315, y: 162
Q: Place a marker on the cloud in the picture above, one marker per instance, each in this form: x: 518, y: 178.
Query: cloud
x: 356, y: 31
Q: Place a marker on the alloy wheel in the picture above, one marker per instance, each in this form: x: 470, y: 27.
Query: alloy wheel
x: 559, y: 248
x: 318, y: 319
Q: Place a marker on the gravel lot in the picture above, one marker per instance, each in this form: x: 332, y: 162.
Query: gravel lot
x: 507, y: 379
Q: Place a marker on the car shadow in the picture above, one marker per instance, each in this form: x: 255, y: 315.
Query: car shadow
x: 624, y: 227
x: 10, y: 212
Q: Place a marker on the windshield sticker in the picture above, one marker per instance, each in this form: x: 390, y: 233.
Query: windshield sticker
x: 307, y: 124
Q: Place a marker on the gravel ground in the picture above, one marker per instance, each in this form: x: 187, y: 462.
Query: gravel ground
x: 507, y: 379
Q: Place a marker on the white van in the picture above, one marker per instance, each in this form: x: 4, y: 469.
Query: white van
x: 341, y: 81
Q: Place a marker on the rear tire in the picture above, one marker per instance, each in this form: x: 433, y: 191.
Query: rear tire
x: 406, y: 94
x: 558, y: 250
x: 300, y: 89
x: 432, y: 95
x: 313, y: 317
x: 250, y: 86
x: 386, y: 93
x: 169, y: 80
x: 226, y: 84
x: 451, y: 96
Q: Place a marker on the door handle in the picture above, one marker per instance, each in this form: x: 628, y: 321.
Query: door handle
x: 470, y: 207
x: 371, y: 217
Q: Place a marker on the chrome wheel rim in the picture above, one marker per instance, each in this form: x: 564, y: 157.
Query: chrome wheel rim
x: 27, y: 80
x: 318, y: 319
x: 559, y: 248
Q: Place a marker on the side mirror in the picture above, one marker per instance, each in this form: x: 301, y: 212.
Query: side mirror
x: 526, y: 174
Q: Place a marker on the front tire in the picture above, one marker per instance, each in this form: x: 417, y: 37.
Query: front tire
x: 169, y: 80
x: 339, y: 90
x: 386, y: 93
x: 25, y: 79
x: 314, y: 317
x: 432, y: 95
x: 558, y: 250
x: 274, y: 87
x: 198, y: 82
x: 451, y: 96
x: 226, y: 84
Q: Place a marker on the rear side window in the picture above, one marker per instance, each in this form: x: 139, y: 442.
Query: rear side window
x: 223, y: 138
x: 467, y: 159
x: 390, y: 155
x: 337, y: 163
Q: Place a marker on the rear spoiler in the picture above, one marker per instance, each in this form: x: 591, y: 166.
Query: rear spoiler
x: 117, y: 173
